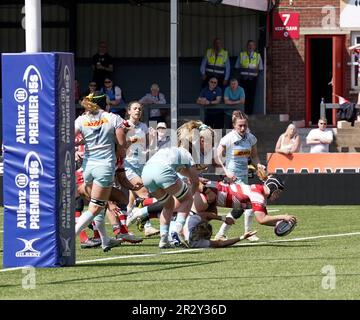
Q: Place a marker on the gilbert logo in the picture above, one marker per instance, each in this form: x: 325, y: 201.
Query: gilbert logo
x: 28, y: 251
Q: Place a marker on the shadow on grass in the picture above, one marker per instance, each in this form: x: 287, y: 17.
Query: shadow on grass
x: 250, y: 276
x: 112, y: 277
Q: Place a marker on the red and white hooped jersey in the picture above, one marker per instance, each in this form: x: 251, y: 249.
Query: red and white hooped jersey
x: 239, y: 196
x: 79, y: 177
x: 81, y: 147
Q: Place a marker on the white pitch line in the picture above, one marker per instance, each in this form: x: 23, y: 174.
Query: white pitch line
x: 200, y: 249
x: 139, y: 255
x: 12, y: 269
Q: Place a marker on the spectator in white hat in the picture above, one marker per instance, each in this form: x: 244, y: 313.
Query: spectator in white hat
x: 163, y: 140
x: 154, y: 97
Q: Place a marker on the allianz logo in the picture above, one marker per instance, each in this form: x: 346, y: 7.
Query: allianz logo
x: 28, y: 251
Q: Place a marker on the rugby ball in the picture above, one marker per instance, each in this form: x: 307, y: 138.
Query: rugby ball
x: 283, y: 228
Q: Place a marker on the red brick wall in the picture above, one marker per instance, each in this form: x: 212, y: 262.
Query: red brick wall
x: 286, y: 59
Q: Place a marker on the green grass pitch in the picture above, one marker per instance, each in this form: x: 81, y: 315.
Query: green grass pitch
x: 321, y: 262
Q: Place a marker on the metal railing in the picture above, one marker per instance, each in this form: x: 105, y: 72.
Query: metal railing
x: 193, y: 111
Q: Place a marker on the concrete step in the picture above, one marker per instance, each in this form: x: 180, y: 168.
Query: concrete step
x: 347, y: 140
x: 350, y: 130
x: 347, y: 125
x: 347, y: 149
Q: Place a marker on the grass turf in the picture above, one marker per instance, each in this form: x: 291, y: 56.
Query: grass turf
x: 269, y: 270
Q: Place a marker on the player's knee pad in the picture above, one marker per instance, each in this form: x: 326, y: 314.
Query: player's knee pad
x: 183, y: 192
x: 237, y: 213
x: 163, y: 199
x: 100, y: 203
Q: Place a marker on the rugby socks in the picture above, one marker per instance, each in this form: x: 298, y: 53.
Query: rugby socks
x: 151, y: 211
x: 83, y: 221
x: 224, y: 227
x: 100, y: 224
x: 122, y: 219
x: 248, y: 219
x: 164, y: 230
x: 155, y: 208
x: 148, y: 201
x: 147, y: 224
x: 179, y: 222
x: 83, y: 236
x: 96, y: 231
x: 116, y: 229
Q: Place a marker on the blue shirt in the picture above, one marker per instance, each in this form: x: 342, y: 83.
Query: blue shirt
x: 210, y: 94
x: 233, y: 96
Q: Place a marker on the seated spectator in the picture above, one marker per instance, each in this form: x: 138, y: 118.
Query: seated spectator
x: 114, y: 97
x: 234, y: 95
x: 289, y: 142
x: 91, y: 88
x: 210, y: 95
x: 155, y: 97
x: 319, y: 139
x: 159, y: 138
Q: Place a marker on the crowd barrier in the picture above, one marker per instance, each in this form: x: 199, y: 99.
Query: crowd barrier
x: 313, y: 163
x: 319, y: 178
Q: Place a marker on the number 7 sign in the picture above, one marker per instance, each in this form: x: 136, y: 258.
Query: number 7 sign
x: 285, y: 25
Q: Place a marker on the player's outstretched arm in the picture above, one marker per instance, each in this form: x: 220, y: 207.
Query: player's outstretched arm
x: 229, y: 242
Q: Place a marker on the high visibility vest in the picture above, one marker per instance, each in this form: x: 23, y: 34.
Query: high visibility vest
x: 249, y: 67
x: 216, y: 64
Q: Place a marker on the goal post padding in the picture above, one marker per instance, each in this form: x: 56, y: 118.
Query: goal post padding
x: 39, y: 171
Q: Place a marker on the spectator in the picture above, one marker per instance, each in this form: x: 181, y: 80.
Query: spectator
x: 91, y: 88
x: 288, y: 142
x: 211, y: 95
x: 215, y: 64
x: 319, y: 139
x: 155, y: 97
x: 114, y: 97
x: 102, y: 65
x: 234, y: 96
x: 355, y: 50
x: 249, y: 64
x: 163, y: 140
x: 159, y: 138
